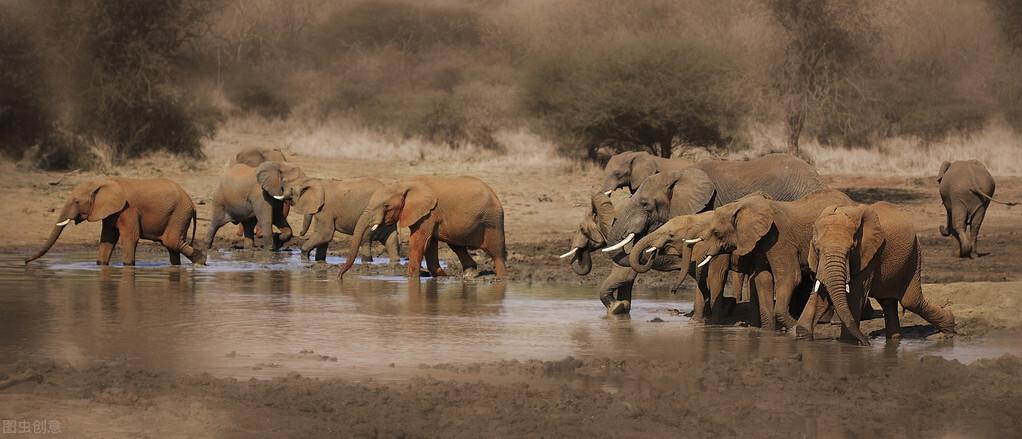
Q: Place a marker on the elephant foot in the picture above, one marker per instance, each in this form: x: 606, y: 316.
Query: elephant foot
x: 619, y: 307
x: 439, y: 273
x: 803, y: 333
x: 198, y: 257
x: 944, y: 231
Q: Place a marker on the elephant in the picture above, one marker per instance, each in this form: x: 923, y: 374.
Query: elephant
x: 703, y: 186
x: 335, y: 205
x: 629, y: 169
x: 671, y: 239
x: 966, y: 189
x: 255, y: 157
x: 253, y: 196
x: 591, y: 234
x: 462, y: 211
x: 155, y: 209
x: 861, y: 251
x: 767, y: 240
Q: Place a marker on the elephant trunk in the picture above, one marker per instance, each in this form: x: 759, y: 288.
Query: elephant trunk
x: 356, y: 241
x: 639, y: 251
x: 306, y: 223
x: 835, y: 276
x: 582, y: 262
x: 49, y: 243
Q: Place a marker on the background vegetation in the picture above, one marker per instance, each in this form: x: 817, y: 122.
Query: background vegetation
x: 106, y: 80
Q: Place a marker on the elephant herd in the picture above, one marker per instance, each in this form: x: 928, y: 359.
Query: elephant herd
x: 808, y: 252
x: 258, y: 190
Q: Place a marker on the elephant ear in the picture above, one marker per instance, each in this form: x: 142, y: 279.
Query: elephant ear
x: 871, y: 237
x: 290, y: 172
x: 643, y: 166
x: 269, y: 174
x: 943, y: 169
x: 419, y: 201
x: 107, y: 199
x: 603, y: 212
x: 691, y: 191
x: 310, y: 199
x: 752, y: 220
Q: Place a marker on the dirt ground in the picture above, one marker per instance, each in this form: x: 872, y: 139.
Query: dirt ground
x: 924, y: 398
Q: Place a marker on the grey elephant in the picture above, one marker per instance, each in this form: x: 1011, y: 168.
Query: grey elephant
x: 253, y: 196
x: 629, y: 169
x: 862, y: 251
x: 966, y: 188
x: 591, y: 234
x: 700, y: 187
x: 334, y: 206
x: 255, y: 157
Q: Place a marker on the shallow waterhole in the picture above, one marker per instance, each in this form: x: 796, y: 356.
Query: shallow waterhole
x: 252, y: 314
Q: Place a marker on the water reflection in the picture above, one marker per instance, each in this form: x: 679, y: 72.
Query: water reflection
x: 262, y: 315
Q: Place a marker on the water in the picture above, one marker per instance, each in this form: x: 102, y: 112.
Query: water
x: 251, y: 314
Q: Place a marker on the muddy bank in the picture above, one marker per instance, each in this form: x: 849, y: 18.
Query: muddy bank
x: 767, y: 397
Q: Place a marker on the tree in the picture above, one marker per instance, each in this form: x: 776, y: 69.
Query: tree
x: 639, y: 94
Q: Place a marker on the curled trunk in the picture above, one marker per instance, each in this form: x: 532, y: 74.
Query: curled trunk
x: 835, y: 277
x: 582, y: 262
x: 54, y: 234
x: 356, y: 242
x: 639, y: 252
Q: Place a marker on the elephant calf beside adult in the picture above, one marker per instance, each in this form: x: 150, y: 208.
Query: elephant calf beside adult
x: 698, y: 188
x: 253, y: 196
x: 335, y: 206
x: 966, y: 189
x: 131, y: 209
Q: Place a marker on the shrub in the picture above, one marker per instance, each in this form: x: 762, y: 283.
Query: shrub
x: 24, y: 94
x: 406, y: 26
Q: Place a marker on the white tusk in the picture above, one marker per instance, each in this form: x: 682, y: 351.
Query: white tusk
x: 278, y: 197
x: 64, y: 223
x: 693, y: 241
x: 816, y: 288
x: 569, y: 253
x: 848, y: 290
x: 373, y: 228
x: 651, y: 250
x: 705, y: 261
x: 608, y: 193
x: 620, y: 244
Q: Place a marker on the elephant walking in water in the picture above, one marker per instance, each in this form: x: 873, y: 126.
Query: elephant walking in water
x: 966, y: 189
x: 131, y: 209
x: 253, y: 196
x: 462, y: 211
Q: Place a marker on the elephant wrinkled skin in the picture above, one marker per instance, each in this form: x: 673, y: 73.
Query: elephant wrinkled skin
x: 966, y: 189
x: 131, y: 209
x: 255, y: 157
x: 630, y: 169
x: 334, y: 206
x: 862, y: 251
x: 462, y: 211
x: 253, y: 196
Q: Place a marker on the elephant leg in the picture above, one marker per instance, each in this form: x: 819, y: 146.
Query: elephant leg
x: 493, y: 245
x: 891, y: 321
x: 945, y: 230
x: 764, y: 281
x: 128, y: 222
x: 701, y: 295
x: 914, y: 301
x: 107, y: 240
x: 716, y: 278
x: 468, y: 265
x: 392, y: 244
x: 807, y: 320
x: 433, y: 258
x: 279, y: 219
x: 958, y: 229
x: 175, y: 257
x: 974, y: 224
x: 217, y: 220
x: 264, y: 220
x: 417, y: 243
x: 319, y: 241
x: 175, y: 240
x: 321, y: 252
x: 249, y: 227
x: 616, y: 290
x: 784, y: 287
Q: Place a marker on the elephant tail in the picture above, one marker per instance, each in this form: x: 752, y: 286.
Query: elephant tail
x: 982, y: 195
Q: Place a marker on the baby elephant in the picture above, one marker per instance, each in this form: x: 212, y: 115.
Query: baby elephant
x: 253, y: 196
x: 335, y: 205
x: 464, y: 212
x: 154, y: 209
x: 966, y: 188
x: 864, y: 251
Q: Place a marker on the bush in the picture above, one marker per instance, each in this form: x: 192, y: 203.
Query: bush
x: 24, y: 94
x: 406, y: 26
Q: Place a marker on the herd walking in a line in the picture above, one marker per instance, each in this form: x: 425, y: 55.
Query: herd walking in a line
x: 808, y: 253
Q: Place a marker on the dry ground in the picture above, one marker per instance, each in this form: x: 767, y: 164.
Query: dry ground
x: 925, y: 398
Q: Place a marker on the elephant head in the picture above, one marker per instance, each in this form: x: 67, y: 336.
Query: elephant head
x: 736, y: 228
x: 845, y: 241
x: 657, y: 200
x: 591, y: 234
x: 404, y: 203
x: 308, y: 197
x: 256, y: 156
x: 272, y: 176
x: 675, y: 238
x: 627, y: 169
x: 90, y: 201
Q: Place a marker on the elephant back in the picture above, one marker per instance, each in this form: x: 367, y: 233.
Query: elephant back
x: 783, y: 177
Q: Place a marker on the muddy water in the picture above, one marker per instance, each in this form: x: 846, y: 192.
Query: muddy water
x: 253, y: 314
